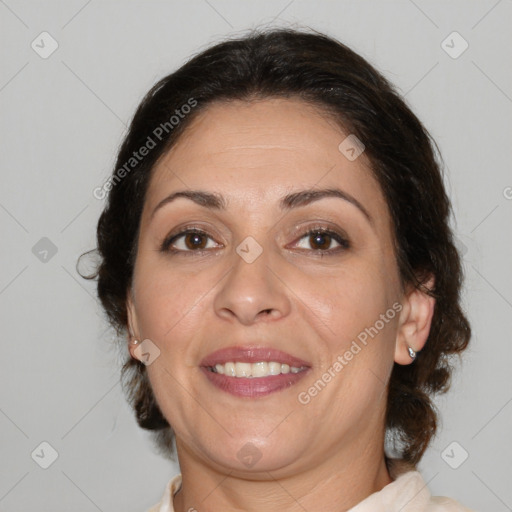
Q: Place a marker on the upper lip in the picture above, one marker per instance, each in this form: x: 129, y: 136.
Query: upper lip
x: 252, y: 354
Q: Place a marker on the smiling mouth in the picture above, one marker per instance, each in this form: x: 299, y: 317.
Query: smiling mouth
x: 254, y: 370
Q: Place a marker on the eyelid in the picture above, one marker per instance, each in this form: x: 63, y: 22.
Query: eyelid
x: 322, y: 226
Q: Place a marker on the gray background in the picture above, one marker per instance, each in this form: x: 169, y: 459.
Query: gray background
x: 62, y: 120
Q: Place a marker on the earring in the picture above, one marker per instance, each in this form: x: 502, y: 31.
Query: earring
x: 412, y: 354
x: 134, y: 344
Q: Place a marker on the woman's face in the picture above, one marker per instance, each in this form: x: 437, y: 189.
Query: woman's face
x: 251, y: 286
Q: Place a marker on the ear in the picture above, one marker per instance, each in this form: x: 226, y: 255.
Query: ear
x: 414, y: 323
x: 133, y: 330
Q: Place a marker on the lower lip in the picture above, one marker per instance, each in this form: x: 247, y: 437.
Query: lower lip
x: 253, y: 387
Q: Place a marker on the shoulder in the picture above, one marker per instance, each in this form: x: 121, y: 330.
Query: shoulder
x: 166, y: 503
x: 407, y: 479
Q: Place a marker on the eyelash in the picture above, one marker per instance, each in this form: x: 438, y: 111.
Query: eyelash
x: 342, y: 240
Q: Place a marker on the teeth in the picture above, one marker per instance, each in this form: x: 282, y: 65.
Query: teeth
x: 229, y: 369
x: 259, y: 369
x: 243, y: 369
x: 274, y: 368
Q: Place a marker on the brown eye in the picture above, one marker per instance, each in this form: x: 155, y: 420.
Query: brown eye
x: 190, y: 240
x: 320, y: 241
x: 195, y: 241
x: 323, y: 241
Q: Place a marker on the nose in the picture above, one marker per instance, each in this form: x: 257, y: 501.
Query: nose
x: 252, y: 292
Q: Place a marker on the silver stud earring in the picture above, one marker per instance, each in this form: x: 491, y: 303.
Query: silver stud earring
x: 135, y: 342
x: 412, y: 354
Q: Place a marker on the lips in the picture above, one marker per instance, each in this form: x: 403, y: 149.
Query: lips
x: 252, y: 355
x: 253, y: 371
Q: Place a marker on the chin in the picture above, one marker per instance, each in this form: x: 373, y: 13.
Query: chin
x: 253, y: 456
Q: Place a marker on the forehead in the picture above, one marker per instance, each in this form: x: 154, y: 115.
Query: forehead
x: 263, y: 149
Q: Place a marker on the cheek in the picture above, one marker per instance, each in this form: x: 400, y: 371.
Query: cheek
x: 354, y: 358
x: 347, y: 310
x: 169, y: 304
x: 347, y: 301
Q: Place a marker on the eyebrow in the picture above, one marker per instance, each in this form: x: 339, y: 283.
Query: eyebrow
x: 214, y: 201
x: 305, y: 197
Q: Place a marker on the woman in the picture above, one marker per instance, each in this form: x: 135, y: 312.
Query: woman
x: 276, y: 250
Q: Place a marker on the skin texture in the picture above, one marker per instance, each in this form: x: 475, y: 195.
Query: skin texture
x: 323, y: 455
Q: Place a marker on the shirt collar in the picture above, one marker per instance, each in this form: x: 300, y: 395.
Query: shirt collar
x: 407, y: 493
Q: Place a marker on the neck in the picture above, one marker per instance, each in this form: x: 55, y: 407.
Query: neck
x: 338, y: 483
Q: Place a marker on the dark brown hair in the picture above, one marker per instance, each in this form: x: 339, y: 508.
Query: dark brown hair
x: 327, y: 74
